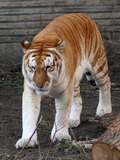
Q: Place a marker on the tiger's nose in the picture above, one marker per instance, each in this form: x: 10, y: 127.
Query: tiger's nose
x: 41, y: 86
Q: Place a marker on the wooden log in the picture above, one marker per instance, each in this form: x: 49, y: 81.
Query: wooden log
x: 108, y: 145
x: 112, y: 134
x: 103, y: 151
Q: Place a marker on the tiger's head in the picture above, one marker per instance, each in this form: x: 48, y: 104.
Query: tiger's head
x: 41, y: 66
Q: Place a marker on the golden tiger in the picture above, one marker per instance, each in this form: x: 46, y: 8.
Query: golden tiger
x: 54, y: 63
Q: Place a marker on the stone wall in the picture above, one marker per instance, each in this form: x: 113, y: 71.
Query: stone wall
x: 22, y: 19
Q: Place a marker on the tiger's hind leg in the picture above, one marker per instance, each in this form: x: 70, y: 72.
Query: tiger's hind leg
x: 76, y: 108
x: 102, y: 83
x: 104, y: 105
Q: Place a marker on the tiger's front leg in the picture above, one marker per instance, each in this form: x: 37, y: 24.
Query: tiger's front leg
x: 76, y: 107
x: 30, y: 113
x: 61, y: 124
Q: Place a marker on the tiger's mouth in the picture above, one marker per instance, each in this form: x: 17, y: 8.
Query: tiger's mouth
x: 42, y: 92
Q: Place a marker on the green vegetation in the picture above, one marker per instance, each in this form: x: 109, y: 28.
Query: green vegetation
x: 11, y: 84
x: 68, y: 146
x: 8, y: 84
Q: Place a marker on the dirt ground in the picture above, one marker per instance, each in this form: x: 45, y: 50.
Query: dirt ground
x: 11, y: 119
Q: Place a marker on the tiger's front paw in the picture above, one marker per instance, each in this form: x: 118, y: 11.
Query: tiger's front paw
x: 23, y: 142
x: 60, y: 136
x: 74, y: 122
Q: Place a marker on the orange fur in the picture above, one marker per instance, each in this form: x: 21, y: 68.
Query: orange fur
x: 82, y: 40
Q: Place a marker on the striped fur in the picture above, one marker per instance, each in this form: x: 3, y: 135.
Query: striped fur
x: 54, y: 64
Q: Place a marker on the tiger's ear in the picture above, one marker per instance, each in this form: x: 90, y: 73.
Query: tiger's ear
x: 61, y: 46
x: 25, y: 45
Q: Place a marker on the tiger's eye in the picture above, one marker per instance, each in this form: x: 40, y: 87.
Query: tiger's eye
x: 48, y: 67
x: 33, y: 67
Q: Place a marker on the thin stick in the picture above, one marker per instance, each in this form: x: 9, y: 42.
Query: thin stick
x: 87, y: 144
x: 39, y: 149
x: 52, y: 141
x: 29, y: 138
x: 71, y: 130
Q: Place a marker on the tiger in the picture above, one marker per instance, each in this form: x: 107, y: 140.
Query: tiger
x: 54, y: 63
